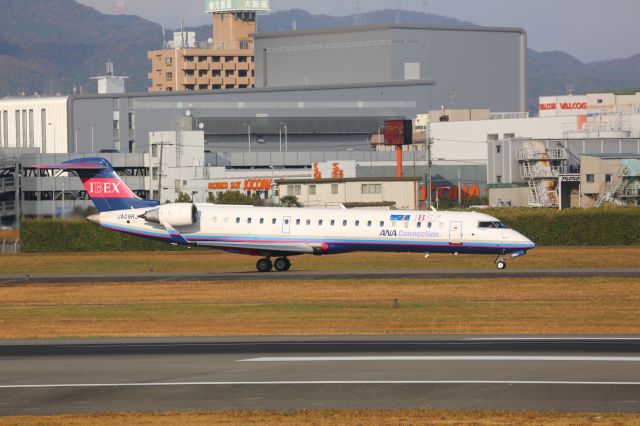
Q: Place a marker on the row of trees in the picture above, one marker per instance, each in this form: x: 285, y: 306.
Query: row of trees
x: 237, y: 198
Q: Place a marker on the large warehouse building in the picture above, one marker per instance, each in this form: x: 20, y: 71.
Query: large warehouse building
x: 473, y: 67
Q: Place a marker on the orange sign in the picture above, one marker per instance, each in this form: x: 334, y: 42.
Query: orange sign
x: 337, y: 172
x: 450, y: 192
x: 247, y: 185
x: 316, y: 172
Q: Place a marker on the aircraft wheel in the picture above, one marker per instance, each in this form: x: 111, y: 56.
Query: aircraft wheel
x: 501, y: 264
x: 282, y: 264
x: 264, y: 265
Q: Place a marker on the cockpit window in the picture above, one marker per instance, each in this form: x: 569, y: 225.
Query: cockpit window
x: 492, y: 224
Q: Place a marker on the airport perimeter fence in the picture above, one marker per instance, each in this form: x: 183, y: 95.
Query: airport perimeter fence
x: 546, y: 227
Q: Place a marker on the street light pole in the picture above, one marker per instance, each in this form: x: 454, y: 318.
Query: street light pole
x: 92, y: 132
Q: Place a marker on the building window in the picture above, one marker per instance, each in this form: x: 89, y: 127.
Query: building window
x: 5, y: 120
x: 509, y: 136
x: 294, y: 190
x: 493, y: 137
x: 334, y: 188
x: 244, y: 45
x: 24, y: 128
x: 498, y: 149
x: 498, y: 179
x: 216, y: 59
x: 607, y: 178
x: 312, y: 190
x: 154, y: 173
x: 590, y: 178
x: 169, y: 76
x: 372, y: 188
x: 17, y: 129
x: 168, y: 60
x: 31, y: 129
x: 154, y: 150
x: 169, y: 89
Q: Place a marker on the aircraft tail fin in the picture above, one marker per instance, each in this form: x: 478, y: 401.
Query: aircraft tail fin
x: 107, y: 191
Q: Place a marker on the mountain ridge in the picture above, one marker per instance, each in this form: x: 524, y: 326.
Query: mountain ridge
x: 55, y: 47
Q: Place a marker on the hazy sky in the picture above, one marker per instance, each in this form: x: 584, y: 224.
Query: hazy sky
x: 587, y: 29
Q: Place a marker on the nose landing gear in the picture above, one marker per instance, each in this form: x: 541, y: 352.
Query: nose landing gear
x: 501, y: 263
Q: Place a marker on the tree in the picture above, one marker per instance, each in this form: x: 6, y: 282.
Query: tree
x: 290, y: 201
x: 183, y: 198
x: 235, y: 198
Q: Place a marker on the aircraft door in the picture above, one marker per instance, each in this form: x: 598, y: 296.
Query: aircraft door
x: 286, y: 224
x: 455, y: 233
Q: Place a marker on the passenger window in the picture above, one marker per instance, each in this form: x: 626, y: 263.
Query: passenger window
x: 429, y: 225
x: 237, y: 220
x: 357, y: 223
x: 308, y: 222
x: 261, y: 221
x: 320, y: 222
x: 333, y: 222
x: 369, y: 224
x: 382, y: 223
x: 286, y: 221
x: 344, y: 223
x: 419, y: 225
x: 249, y: 220
x: 273, y: 221
x: 297, y: 221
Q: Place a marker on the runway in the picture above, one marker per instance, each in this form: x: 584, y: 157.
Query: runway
x: 562, y: 373
x: 22, y: 279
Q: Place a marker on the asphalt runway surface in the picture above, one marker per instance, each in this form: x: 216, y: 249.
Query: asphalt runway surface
x: 18, y: 279
x: 594, y: 374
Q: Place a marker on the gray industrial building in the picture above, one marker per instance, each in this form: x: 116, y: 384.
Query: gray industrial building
x: 319, y: 118
x: 473, y: 67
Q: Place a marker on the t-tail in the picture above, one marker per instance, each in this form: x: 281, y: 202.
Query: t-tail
x: 107, y: 191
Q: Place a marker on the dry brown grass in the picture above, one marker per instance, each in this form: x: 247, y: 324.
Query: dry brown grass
x: 336, y: 417
x: 212, y: 261
x: 568, y: 305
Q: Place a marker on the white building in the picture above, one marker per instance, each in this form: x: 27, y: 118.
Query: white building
x: 34, y: 122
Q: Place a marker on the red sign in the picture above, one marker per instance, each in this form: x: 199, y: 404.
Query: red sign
x: 548, y: 106
x: 573, y: 105
x: 449, y: 192
x: 107, y: 188
x: 398, y: 132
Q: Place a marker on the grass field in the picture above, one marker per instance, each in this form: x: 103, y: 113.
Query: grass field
x: 484, y: 306
x: 337, y: 417
x: 213, y: 261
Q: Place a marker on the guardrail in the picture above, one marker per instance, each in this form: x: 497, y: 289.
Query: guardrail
x: 549, y: 154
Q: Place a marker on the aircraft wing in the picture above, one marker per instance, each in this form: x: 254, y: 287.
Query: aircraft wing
x: 266, y: 248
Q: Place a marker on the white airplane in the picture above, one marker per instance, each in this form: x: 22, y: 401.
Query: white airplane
x: 280, y: 233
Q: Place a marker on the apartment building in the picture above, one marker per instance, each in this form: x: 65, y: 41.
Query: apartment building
x: 225, y: 61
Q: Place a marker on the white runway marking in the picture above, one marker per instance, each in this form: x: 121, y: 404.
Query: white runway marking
x: 445, y: 358
x: 325, y: 382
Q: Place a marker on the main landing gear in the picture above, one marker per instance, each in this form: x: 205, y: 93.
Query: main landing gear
x: 281, y: 264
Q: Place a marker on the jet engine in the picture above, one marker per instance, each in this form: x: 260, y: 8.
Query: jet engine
x: 179, y: 214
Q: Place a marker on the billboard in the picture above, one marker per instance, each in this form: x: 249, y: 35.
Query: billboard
x: 219, y: 6
x: 398, y: 132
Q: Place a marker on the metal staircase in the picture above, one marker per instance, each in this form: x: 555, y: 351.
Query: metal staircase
x: 625, y: 188
x: 540, y: 168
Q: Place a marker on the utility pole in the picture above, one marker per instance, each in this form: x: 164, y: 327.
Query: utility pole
x: 429, y: 162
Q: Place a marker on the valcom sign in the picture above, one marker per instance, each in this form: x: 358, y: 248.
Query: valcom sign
x: 573, y: 105
x: 220, y: 6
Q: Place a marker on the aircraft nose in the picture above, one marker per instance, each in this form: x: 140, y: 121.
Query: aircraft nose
x: 94, y: 218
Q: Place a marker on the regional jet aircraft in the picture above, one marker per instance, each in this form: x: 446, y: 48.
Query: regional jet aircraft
x: 281, y: 233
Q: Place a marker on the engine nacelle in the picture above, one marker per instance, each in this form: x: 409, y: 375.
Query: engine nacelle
x: 179, y: 214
